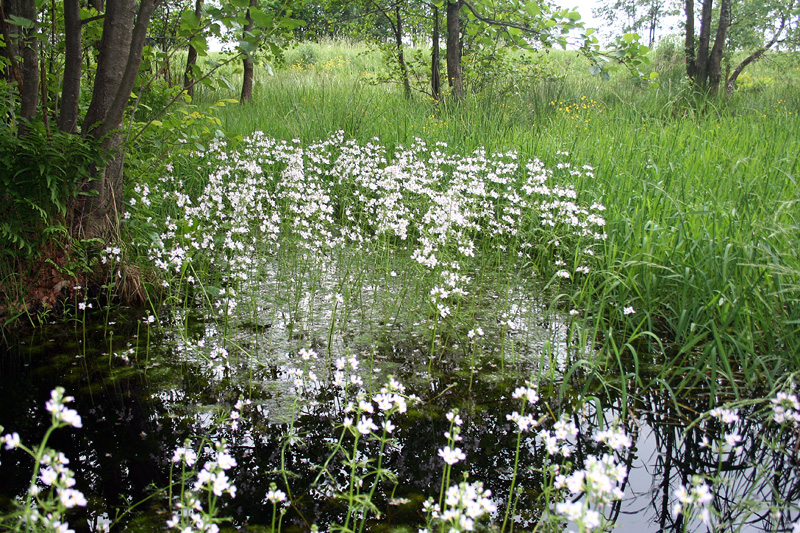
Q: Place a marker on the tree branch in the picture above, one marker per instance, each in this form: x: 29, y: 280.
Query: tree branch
x: 505, y: 24
x: 92, y: 19
x: 731, y: 82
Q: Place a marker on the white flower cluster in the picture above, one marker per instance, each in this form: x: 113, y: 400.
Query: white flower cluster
x: 454, y: 454
x: 340, y: 378
x: 464, y: 505
x: 557, y: 440
x: 530, y: 395
x: 212, y: 478
x: 54, y: 474
x: 785, y: 408
x: 390, y: 400
x: 338, y: 193
x: 598, y: 482
x: 691, y: 499
x: 615, y: 438
x: 61, y: 414
x: 731, y: 437
x: 112, y: 254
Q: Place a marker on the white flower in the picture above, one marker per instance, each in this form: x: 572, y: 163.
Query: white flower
x: 454, y: 418
x: 71, y: 498
x: 186, y: 455
x: 451, y: 456
x: 733, y: 439
x: 615, y: 439
x: 628, y: 310
x: 11, y: 440
x: 524, y: 423
x: 225, y: 461
x: 366, y: 426
x: 528, y: 393
x: 307, y: 354
x: 55, y: 405
x: 276, y: 495
x: 48, y: 476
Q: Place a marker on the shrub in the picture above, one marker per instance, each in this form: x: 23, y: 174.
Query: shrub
x: 39, y: 175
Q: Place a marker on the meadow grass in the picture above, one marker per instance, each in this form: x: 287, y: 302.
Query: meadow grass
x: 701, y: 193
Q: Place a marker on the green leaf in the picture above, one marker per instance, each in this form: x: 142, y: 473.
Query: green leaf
x: 533, y: 9
x: 189, y: 22
x: 21, y: 21
x: 291, y: 24
x: 594, y: 70
x: 223, y: 80
x: 240, y: 3
x: 260, y: 18
x: 248, y: 47
x: 199, y: 43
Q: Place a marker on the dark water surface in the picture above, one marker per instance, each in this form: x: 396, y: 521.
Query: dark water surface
x: 142, y: 389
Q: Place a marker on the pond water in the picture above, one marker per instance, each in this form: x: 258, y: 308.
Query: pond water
x: 144, y: 385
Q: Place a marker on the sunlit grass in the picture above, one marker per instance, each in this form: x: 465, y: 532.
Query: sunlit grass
x: 702, y: 216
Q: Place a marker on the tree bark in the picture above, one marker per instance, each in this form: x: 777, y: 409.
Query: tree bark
x: 247, y: 62
x: 29, y: 92
x: 436, y: 82
x: 454, y: 75
x: 11, y: 37
x: 124, y: 33
x: 113, y: 53
x: 191, y: 59
x: 71, y: 85
x: 715, y: 58
x: 401, y: 60
x: 701, y: 76
x: 688, y: 47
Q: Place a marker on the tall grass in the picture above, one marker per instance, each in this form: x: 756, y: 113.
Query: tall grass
x: 701, y: 193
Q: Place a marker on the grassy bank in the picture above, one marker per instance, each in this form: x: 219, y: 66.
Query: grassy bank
x: 701, y: 195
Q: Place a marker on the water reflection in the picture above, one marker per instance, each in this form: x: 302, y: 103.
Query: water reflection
x: 145, y: 389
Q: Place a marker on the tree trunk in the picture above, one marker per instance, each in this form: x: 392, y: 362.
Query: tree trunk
x: 715, y: 58
x: 701, y: 76
x: 71, y: 86
x: 29, y: 92
x: 191, y: 59
x: 688, y: 47
x: 113, y: 48
x: 124, y: 33
x: 10, y: 34
x: 247, y: 62
x: 454, y: 76
x: 401, y: 60
x: 436, y: 82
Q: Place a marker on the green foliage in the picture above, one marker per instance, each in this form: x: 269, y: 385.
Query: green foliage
x: 40, y: 175
x: 502, y: 72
